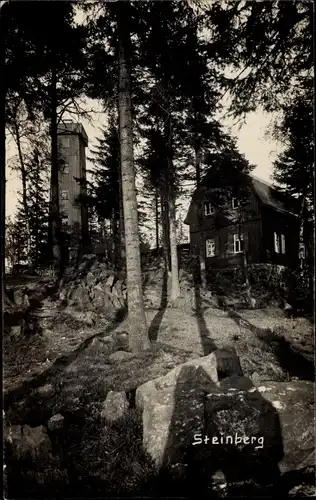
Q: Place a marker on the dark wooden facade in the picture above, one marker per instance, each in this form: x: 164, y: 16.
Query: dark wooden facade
x: 265, y: 216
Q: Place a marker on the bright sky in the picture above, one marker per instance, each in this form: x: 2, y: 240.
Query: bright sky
x: 251, y: 141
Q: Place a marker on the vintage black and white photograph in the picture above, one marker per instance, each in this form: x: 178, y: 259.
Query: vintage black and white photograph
x: 157, y: 248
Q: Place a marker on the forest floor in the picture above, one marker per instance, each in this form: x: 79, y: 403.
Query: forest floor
x: 266, y: 341
x: 67, y: 368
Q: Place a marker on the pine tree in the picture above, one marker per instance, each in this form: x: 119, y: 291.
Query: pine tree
x: 38, y: 203
x: 53, y: 49
x: 15, y: 243
x: 105, y: 189
x: 294, y: 167
x: 136, y: 312
x: 269, y: 46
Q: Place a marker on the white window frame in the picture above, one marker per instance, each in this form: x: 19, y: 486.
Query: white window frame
x: 235, y: 203
x: 283, y: 246
x: 279, y: 243
x: 238, y: 238
x: 208, y: 208
x: 63, y: 197
x: 212, y: 248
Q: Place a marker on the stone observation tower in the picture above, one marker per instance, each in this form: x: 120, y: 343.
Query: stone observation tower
x: 72, y: 142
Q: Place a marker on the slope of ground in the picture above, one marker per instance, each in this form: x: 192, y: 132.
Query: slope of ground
x: 67, y: 366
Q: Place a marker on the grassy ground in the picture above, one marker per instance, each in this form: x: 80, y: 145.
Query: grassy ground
x: 74, y: 359
x: 181, y: 334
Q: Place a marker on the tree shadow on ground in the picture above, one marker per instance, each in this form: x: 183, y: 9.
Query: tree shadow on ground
x: 294, y: 363
x: 205, y: 335
x: 189, y: 467
x: 58, y: 366
x: 156, y: 322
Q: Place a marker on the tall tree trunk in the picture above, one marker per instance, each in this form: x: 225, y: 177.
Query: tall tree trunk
x: 136, y: 312
x: 117, y: 243
x: 85, y: 235
x: 304, y: 239
x: 122, y: 255
x: 103, y: 238
x: 55, y: 215
x: 202, y: 263
x: 157, y: 217
x: 121, y: 227
x: 37, y: 249
x: 113, y: 239
x: 165, y: 229
x: 302, y: 249
x: 241, y: 234
x: 3, y: 296
x: 175, y: 285
x: 24, y: 192
x: 251, y: 301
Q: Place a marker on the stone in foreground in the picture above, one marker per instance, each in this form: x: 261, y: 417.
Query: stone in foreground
x: 29, y: 443
x: 173, y: 411
x: 120, y: 356
x: 56, y: 422
x: 115, y: 406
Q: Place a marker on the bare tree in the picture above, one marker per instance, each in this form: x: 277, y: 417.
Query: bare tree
x: 136, y: 312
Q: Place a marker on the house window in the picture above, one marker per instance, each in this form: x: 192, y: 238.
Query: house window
x: 238, y: 243
x: 279, y: 243
x: 235, y: 203
x: 208, y: 208
x: 65, y: 194
x: 66, y: 142
x: 210, y: 248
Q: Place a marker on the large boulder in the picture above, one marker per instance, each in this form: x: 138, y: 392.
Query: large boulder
x: 204, y: 415
x: 171, y: 416
x: 211, y: 367
x: 254, y: 434
x: 294, y: 402
x: 173, y: 410
x: 242, y: 431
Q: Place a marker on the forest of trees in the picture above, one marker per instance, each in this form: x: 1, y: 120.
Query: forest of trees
x: 159, y: 70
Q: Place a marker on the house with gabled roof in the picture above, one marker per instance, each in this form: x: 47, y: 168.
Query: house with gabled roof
x: 259, y: 221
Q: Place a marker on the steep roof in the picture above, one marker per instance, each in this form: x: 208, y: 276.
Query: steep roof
x: 274, y: 198
x: 267, y: 194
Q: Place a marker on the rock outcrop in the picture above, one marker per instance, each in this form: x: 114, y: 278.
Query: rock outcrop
x: 92, y: 289
x: 206, y: 412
